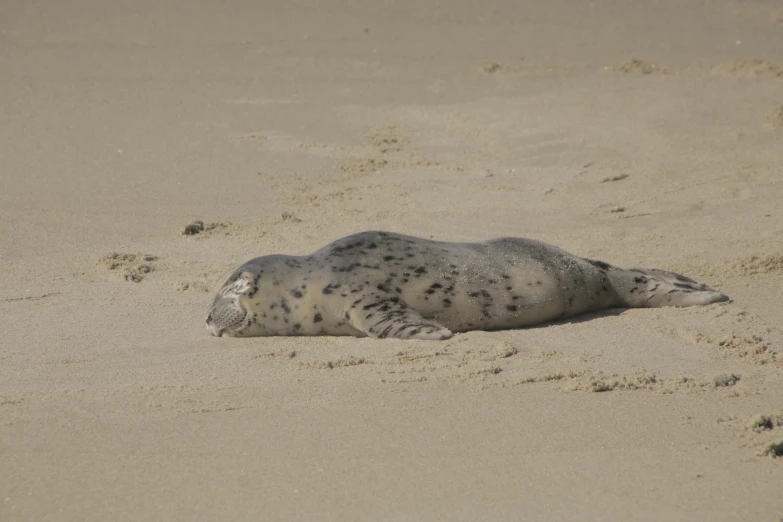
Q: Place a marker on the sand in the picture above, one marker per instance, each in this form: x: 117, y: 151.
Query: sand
x: 148, y: 148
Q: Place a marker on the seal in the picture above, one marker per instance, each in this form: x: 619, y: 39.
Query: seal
x: 382, y: 284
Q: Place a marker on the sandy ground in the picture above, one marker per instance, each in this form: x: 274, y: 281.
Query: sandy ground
x: 640, y: 133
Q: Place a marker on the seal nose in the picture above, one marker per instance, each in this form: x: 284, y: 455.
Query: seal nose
x: 214, y: 330
x: 211, y: 328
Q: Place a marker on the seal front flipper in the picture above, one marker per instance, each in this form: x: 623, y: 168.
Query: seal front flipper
x: 384, y: 315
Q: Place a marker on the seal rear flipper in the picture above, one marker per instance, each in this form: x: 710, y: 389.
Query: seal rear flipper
x: 652, y: 288
x: 386, y: 316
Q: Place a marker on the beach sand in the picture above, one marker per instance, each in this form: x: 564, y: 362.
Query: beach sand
x: 638, y: 133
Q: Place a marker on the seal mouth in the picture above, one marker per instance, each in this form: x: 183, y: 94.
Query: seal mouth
x: 212, y: 327
x: 214, y: 330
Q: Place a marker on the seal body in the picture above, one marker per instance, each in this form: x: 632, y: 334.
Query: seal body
x: 382, y: 284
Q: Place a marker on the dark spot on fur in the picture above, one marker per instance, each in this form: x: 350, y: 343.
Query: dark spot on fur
x: 511, y: 308
x: 600, y: 264
x: 386, y: 331
x: 329, y: 289
x: 297, y: 294
x: 317, y: 318
x: 349, y: 268
x: 349, y: 246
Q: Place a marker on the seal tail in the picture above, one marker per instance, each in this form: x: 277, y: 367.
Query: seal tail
x: 653, y: 288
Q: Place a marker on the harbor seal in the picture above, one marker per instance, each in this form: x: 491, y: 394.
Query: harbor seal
x: 383, y: 284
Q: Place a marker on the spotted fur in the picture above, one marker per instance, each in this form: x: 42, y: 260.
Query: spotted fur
x: 381, y: 284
